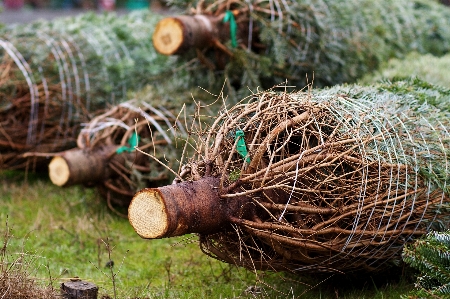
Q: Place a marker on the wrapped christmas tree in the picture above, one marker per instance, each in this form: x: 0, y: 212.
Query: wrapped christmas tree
x: 58, y: 74
x: 262, y: 43
x: 131, y: 146
x: 123, y: 150
x: 318, y: 180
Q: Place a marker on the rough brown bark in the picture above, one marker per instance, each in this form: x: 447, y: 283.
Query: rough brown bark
x: 176, y: 35
x: 78, y: 289
x: 187, y: 207
x: 79, y: 166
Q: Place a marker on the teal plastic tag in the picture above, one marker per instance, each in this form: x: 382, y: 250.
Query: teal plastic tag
x: 133, y: 142
x: 229, y: 17
x: 241, y: 147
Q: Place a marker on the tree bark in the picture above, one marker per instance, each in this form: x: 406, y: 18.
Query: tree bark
x: 78, y: 289
x: 77, y: 166
x: 176, y: 35
x: 187, y: 207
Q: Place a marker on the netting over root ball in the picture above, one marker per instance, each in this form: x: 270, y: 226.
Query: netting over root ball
x: 320, y: 180
x: 107, y: 156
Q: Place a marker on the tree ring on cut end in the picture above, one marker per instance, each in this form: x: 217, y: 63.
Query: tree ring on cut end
x: 168, y: 36
x: 148, y: 215
x: 59, y: 171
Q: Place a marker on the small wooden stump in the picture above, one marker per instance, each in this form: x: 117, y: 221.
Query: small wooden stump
x: 78, y: 289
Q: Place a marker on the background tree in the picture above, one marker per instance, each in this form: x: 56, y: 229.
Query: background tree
x: 431, y: 256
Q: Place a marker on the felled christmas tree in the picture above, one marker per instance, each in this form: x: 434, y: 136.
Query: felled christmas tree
x: 262, y: 43
x: 336, y: 179
x: 120, y: 151
x: 58, y: 74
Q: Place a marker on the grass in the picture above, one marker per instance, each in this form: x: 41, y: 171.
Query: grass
x: 67, y: 231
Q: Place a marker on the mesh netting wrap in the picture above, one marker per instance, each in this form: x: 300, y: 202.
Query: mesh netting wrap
x: 320, y: 180
x: 57, y: 74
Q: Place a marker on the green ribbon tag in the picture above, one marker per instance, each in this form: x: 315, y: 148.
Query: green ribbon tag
x: 241, y: 147
x: 229, y: 17
x: 133, y: 142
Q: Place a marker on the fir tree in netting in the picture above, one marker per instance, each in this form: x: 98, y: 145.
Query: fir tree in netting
x: 58, y: 74
x: 318, y: 180
x: 333, y: 41
x: 106, y: 155
x: 431, y: 256
x: 96, y: 56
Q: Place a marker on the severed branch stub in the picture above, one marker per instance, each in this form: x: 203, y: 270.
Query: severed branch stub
x: 188, y: 207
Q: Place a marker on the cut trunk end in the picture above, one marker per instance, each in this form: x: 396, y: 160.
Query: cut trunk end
x: 59, y: 171
x: 168, y: 36
x: 175, y: 210
x: 78, y: 166
x: 175, y: 35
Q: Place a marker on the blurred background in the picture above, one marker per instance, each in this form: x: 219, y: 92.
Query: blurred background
x: 74, y: 4
x: 21, y: 11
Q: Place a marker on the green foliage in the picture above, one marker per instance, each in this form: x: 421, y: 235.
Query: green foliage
x: 430, y: 255
x: 234, y: 175
x: 417, y: 111
x: 343, y: 40
x: 421, y: 91
x: 426, y: 67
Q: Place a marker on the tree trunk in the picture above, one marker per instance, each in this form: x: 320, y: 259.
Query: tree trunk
x: 176, y: 35
x: 188, y: 207
x: 78, y: 289
x: 77, y: 166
